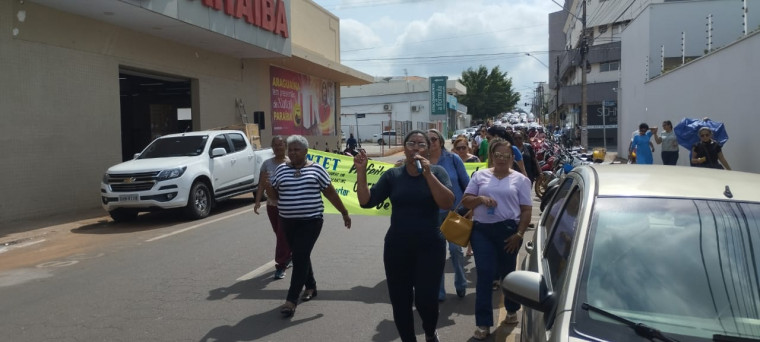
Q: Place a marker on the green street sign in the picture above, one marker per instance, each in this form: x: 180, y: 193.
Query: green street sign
x: 438, y: 95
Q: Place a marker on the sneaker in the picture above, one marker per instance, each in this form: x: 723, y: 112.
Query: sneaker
x: 461, y: 293
x: 279, y: 274
x: 511, y: 319
x: 496, y: 286
x: 290, y: 263
x: 481, y: 333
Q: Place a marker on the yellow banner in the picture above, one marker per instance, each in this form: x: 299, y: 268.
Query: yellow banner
x: 343, y: 175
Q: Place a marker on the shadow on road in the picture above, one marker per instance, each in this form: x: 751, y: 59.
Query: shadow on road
x: 158, y: 219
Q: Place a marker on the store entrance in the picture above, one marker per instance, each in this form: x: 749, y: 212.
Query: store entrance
x: 152, y: 105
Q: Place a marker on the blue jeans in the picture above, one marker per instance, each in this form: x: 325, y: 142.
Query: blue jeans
x: 457, y: 262
x: 491, y: 259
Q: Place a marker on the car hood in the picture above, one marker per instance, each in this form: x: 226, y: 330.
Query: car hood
x: 152, y: 164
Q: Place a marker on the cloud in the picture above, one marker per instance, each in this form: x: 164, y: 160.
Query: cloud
x: 432, y: 38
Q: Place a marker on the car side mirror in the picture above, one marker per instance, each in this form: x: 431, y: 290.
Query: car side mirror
x: 219, y: 151
x: 529, y: 289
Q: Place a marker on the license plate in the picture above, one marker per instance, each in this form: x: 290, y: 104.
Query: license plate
x: 130, y: 197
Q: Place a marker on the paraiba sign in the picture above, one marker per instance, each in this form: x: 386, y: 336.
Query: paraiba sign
x: 438, y: 95
x: 269, y: 15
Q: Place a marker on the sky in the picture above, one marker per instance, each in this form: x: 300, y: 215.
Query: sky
x: 446, y: 37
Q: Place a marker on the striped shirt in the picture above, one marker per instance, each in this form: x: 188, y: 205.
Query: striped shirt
x: 300, y: 196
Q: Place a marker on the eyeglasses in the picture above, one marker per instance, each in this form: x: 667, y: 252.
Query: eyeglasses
x: 412, y: 144
x: 461, y: 148
x: 501, y: 156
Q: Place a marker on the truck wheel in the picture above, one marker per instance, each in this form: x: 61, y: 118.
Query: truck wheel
x: 380, y: 142
x: 198, y: 202
x: 123, y: 215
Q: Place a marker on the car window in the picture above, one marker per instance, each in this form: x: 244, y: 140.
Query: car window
x: 238, y: 141
x: 686, y: 267
x: 175, y: 147
x: 561, y: 238
x: 220, y: 141
x: 556, y: 205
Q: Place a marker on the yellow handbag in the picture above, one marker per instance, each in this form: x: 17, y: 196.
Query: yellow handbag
x: 457, y: 228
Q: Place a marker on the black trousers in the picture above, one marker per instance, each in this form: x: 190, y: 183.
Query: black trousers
x: 413, y: 267
x: 669, y: 157
x: 301, y: 234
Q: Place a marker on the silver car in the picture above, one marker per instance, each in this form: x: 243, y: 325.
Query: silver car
x: 644, y: 252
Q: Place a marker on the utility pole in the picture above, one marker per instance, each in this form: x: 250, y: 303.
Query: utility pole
x: 584, y: 52
x: 557, y: 118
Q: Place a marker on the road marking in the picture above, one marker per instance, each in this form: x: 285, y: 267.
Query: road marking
x: 255, y: 273
x: 196, y: 226
x: 21, y: 245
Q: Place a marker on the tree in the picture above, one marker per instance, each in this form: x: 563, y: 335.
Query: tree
x: 488, y: 94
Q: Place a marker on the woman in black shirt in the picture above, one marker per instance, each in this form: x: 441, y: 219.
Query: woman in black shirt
x: 415, y: 251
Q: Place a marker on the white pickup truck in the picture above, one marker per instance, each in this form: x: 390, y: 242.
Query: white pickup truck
x: 191, y: 170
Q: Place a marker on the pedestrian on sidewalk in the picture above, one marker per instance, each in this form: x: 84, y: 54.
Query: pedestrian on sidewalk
x: 299, y: 186
x: 459, y: 180
x: 642, y: 144
x: 708, y: 152
x: 415, y: 251
x: 667, y: 138
x: 501, y: 199
x: 282, y: 255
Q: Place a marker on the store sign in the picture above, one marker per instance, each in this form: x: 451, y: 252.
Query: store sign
x: 301, y: 104
x: 438, y: 95
x: 269, y: 15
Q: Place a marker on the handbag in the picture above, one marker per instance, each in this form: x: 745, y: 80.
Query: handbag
x: 457, y: 228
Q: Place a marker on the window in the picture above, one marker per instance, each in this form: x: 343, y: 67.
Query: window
x: 220, y: 141
x: 609, y: 66
x: 238, y: 141
x: 556, y: 205
x: 560, y: 242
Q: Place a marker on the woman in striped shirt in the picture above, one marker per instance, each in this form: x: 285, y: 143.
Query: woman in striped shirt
x: 299, y: 185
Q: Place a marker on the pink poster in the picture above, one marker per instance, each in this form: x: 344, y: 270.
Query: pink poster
x: 301, y: 104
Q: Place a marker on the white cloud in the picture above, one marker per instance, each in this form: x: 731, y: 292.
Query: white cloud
x: 418, y: 35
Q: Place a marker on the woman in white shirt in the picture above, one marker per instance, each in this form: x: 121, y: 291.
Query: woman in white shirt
x: 669, y: 143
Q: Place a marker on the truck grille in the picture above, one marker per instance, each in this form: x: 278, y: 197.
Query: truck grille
x: 130, y: 182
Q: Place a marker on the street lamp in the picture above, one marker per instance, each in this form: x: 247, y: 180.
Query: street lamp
x: 536, y: 58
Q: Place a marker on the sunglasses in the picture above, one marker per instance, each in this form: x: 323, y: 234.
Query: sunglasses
x: 501, y: 156
x: 412, y: 144
x: 704, y: 135
x: 461, y: 148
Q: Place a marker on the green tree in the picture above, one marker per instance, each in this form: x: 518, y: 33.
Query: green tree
x: 488, y: 94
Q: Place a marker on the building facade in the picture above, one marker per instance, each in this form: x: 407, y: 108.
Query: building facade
x: 88, y: 83
x: 400, y: 104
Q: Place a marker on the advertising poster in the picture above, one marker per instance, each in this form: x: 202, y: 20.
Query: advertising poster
x: 301, y: 104
x: 343, y: 175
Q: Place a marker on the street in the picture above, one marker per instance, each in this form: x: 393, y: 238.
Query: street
x: 162, y: 278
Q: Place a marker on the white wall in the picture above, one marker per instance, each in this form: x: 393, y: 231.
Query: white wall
x: 722, y: 86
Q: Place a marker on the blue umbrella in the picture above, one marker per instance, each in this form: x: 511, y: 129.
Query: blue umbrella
x: 687, y: 131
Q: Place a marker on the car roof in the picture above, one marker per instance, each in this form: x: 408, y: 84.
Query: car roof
x: 196, y: 133
x: 672, y: 181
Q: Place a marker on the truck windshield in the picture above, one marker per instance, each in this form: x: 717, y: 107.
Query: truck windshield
x: 175, y: 147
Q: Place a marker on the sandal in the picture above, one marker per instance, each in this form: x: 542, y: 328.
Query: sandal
x: 288, y: 309
x: 481, y: 333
